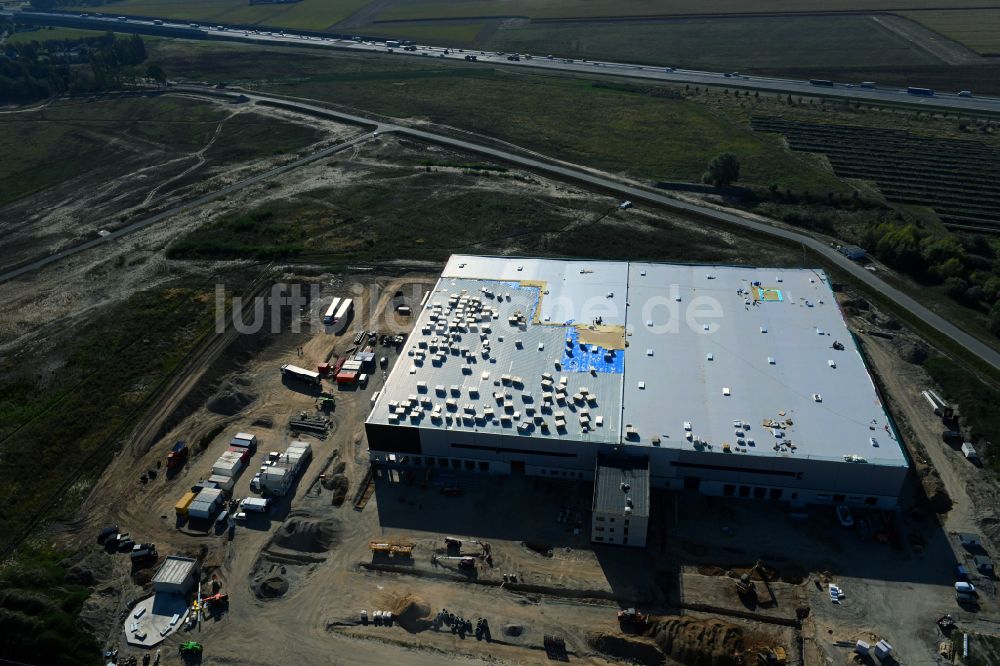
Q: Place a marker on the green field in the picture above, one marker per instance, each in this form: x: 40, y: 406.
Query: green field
x: 548, y: 9
x: 804, y: 42
x: 446, y: 33
x: 46, y: 34
x: 979, y: 29
x: 305, y: 15
x: 646, y: 132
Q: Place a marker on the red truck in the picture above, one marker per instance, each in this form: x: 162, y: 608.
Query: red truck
x: 177, y: 455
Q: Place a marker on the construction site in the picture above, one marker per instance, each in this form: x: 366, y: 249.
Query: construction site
x: 268, y: 513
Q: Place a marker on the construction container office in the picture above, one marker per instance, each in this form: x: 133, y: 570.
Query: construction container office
x: 177, y: 575
x: 731, y: 381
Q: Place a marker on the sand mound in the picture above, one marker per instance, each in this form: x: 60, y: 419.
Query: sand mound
x: 230, y: 399
x: 307, y: 535
x: 411, y: 612
x: 630, y: 648
x: 339, y: 484
x: 698, y: 642
x: 271, y: 587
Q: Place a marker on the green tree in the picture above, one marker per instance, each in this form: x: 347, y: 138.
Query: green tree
x: 723, y: 170
x: 952, y: 268
x: 156, y: 73
x: 994, y: 319
x: 991, y: 288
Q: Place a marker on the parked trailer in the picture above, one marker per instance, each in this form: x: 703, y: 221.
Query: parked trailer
x: 343, y: 312
x: 920, y: 92
x: 295, y: 372
x: 826, y: 83
x: 331, y: 311
x: 937, y: 403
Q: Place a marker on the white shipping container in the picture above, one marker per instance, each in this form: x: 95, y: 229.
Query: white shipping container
x: 229, y: 464
x: 224, y: 482
x: 203, y: 510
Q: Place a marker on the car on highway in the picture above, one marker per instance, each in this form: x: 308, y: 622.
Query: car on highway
x: 965, y: 93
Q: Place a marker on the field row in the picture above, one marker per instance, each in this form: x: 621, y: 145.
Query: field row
x: 960, y: 180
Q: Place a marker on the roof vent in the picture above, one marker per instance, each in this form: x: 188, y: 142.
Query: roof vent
x: 625, y: 487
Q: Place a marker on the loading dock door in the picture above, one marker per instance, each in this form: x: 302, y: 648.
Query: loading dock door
x: 517, y: 467
x: 692, y: 483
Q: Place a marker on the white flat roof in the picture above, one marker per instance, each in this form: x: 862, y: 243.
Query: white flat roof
x: 174, y: 570
x: 753, y: 361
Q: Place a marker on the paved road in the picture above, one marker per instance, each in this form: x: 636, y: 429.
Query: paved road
x: 986, y: 353
x: 874, y: 94
x: 188, y: 205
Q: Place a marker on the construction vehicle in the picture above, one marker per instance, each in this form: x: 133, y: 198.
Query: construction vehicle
x: 455, y: 544
x: 219, y: 599
x: 177, y: 455
x: 464, y: 561
x: 744, y: 585
x: 632, y: 620
x: 403, y: 549
x: 190, y: 648
x: 772, y: 656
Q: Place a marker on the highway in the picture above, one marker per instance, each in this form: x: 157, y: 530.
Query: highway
x: 558, y: 171
x: 950, y: 100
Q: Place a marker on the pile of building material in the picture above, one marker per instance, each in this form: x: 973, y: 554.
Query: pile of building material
x: 313, y: 425
x: 284, y: 468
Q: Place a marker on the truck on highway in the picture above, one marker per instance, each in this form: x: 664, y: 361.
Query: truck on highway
x: 157, y: 21
x: 920, y: 92
x: 391, y: 44
x: 867, y: 84
x: 965, y: 93
x: 826, y: 83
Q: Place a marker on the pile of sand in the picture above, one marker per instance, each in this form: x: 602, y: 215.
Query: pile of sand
x: 339, y: 484
x: 232, y: 398
x: 709, y: 642
x: 307, y: 535
x: 411, y: 612
x: 271, y: 587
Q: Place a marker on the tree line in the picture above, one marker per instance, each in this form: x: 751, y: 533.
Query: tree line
x: 40, y: 69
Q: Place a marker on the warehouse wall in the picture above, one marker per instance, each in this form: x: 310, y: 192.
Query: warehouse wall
x: 794, y: 479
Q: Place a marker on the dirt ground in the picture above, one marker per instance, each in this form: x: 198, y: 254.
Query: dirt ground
x: 305, y: 570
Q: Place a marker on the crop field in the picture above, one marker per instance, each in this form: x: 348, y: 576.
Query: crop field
x: 305, y: 15
x: 979, y: 29
x: 644, y: 131
x: 731, y: 43
x: 960, y: 180
x: 46, y: 34
x: 549, y: 9
x: 444, y: 33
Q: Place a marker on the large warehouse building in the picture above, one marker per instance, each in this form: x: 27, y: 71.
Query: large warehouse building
x: 731, y: 381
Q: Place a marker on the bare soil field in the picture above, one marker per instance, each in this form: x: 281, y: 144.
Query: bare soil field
x: 77, y: 167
